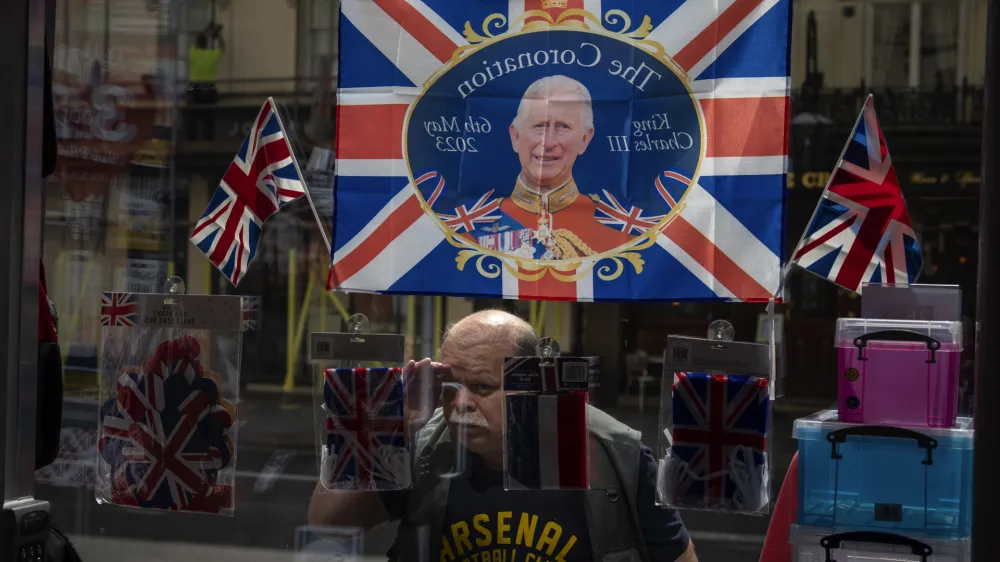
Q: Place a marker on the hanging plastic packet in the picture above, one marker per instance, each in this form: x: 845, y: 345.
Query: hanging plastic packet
x: 716, y: 420
x: 545, y: 421
x: 168, y: 394
x: 362, y: 417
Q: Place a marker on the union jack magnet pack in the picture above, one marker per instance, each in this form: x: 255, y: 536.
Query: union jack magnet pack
x: 714, y: 450
x: 365, y: 445
x: 166, y: 437
x: 545, y: 423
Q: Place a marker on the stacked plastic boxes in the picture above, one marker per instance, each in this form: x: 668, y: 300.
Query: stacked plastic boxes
x: 888, y: 475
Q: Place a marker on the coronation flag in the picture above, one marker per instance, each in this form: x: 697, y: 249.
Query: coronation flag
x: 709, y: 219
x: 262, y: 179
x: 861, y: 231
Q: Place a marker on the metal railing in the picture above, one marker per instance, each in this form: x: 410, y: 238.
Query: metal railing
x: 942, y: 106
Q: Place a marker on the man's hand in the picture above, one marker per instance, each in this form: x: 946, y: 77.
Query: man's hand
x: 422, y: 380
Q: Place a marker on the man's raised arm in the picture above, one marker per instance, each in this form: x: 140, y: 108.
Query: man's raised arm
x: 346, y: 509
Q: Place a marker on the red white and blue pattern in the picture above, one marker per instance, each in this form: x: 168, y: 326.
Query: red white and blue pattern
x: 262, y: 179
x: 861, y: 231
x: 725, y: 242
x: 251, y: 314
x: 482, y: 212
x: 119, y: 309
x: 718, y: 419
x: 165, y: 435
x: 629, y: 221
x: 365, y: 445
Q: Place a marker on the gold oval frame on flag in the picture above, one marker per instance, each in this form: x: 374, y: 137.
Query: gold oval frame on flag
x: 567, y: 270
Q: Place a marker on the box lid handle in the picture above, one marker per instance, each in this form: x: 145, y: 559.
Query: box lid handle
x: 897, y: 335
x: 841, y: 435
x: 916, y: 547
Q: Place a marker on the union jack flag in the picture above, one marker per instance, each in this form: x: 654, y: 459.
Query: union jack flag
x: 165, y: 437
x: 366, y: 438
x: 119, y: 309
x: 261, y: 180
x: 466, y: 219
x: 726, y: 241
x: 861, y: 231
x: 614, y: 214
x: 719, y: 439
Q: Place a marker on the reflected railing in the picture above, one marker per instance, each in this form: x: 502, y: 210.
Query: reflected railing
x: 940, y: 106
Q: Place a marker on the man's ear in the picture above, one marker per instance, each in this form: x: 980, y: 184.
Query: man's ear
x: 515, y: 135
x: 587, y: 137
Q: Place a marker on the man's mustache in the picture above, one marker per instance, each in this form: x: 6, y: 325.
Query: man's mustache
x: 474, y: 419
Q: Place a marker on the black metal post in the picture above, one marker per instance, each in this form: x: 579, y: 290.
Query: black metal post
x: 985, y: 538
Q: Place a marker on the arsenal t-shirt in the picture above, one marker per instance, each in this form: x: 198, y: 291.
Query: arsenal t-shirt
x: 485, y: 523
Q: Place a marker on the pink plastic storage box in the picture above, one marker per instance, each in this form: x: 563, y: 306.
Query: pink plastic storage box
x: 898, y: 372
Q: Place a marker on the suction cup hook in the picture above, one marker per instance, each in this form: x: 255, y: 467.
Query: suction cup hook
x: 174, y: 285
x: 358, y: 324
x: 548, y: 347
x: 721, y: 331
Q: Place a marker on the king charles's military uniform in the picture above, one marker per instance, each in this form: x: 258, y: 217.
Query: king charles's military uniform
x: 556, y: 225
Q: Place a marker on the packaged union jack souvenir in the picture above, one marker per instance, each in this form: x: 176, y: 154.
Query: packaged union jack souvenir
x: 365, y: 446
x: 168, y: 401
x: 545, y: 423
x: 362, y: 418
x: 716, y: 417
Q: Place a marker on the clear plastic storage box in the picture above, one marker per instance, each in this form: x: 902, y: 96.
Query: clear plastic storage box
x: 881, y: 478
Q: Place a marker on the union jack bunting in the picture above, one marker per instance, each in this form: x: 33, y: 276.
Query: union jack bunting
x: 165, y: 436
x: 119, y: 309
x: 261, y: 180
x: 451, y: 180
x: 861, y: 231
x: 365, y: 446
x: 719, y: 442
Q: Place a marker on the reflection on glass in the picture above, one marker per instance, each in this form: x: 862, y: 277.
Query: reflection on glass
x: 891, y: 48
x: 939, y: 45
x: 130, y: 184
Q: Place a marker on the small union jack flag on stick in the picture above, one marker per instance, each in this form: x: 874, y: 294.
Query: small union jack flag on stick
x: 366, y: 438
x: 717, y: 458
x: 263, y: 178
x: 119, y: 309
x: 861, y: 231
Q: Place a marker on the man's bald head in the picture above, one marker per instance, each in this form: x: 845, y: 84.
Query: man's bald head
x: 498, y: 327
x: 473, y: 350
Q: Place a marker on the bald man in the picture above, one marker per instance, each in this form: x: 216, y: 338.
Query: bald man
x: 460, y: 511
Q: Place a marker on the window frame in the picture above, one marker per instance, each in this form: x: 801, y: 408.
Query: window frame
x: 916, y: 38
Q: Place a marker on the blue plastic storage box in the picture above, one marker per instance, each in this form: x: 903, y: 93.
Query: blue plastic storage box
x: 881, y: 478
